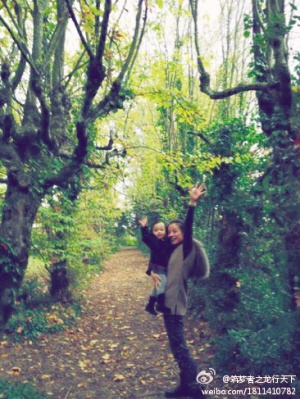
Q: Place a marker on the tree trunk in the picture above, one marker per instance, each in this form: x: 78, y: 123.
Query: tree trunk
x: 229, y: 241
x: 279, y: 123
x: 19, y: 211
x: 60, y: 283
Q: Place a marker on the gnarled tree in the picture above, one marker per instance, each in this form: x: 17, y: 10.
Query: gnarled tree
x: 48, y: 106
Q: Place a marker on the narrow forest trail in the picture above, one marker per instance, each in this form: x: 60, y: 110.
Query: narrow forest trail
x: 115, y: 351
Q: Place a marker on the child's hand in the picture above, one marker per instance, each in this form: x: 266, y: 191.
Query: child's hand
x: 197, y: 192
x: 143, y: 221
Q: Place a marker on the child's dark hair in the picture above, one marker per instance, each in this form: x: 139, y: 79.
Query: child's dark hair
x: 158, y: 221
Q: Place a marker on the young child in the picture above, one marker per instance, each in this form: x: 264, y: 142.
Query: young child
x: 159, y: 256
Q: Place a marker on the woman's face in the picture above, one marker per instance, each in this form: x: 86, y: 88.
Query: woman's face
x: 175, y: 234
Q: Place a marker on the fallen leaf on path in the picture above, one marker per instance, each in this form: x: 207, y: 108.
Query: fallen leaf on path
x: 119, y: 377
x: 14, y: 371
x: 82, y: 385
x: 46, y: 376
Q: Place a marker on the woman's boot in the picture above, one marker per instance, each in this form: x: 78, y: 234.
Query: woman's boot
x: 185, y: 391
x: 188, y: 387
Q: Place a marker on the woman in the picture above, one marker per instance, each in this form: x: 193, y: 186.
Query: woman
x: 180, y: 268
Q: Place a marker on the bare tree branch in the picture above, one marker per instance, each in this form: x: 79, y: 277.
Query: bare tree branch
x: 78, y: 66
x: 106, y: 147
x: 112, y: 99
x: 22, y: 63
x: 12, y: 18
x: 205, y: 77
x: 21, y: 46
x: 139, y: 42
x: 256, y: 6
x: 201, y: 135
x: 82, y: 38
x: 97, y: 19
x: 135, y: 41
x: 56, y: 37
x: 104, y: 30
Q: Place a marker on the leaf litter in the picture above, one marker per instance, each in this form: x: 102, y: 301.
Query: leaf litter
x: 116, y: 350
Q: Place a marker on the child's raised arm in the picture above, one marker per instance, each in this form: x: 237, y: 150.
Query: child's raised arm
x: 143, y: 221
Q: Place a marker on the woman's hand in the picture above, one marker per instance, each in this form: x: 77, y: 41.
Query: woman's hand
x: 156, y: 279
x: 143, y: 221
x: 197, y: 192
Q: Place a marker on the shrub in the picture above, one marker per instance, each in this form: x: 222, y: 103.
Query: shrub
x: 10, y: 390
x: 32, y: 319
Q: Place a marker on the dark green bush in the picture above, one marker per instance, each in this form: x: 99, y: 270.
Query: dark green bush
x: 32, y: 319
x: 10, y: 390
x: 259, y: 332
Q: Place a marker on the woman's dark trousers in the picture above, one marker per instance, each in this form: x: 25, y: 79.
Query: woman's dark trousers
x: 187, y: 365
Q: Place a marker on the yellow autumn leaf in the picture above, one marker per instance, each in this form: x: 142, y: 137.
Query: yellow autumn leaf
x: 46, y: 376
x: 131, y: 338
x: 119, y: 377
x: 85, y: 347
x: 82, y: 385
x: 83, y: 364
x: 15, y: 371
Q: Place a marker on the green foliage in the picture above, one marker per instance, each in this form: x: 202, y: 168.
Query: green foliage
x: 8, y: 260
x: 173, y: 136
x: 10, y: 390
x: 32, y: 319
x: 252, y: 336
x: 261, y: 352
x: 79, y: 232
x: 258, y: 272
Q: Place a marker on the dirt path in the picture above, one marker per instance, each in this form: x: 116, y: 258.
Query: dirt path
x: 116, y: 350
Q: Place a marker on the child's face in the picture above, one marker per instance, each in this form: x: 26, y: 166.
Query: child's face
x: 159, y: 230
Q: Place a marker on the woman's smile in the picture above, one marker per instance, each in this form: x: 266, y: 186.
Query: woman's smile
x: 175, y: 234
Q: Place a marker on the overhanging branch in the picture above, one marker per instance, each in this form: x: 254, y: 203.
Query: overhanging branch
x: 205, y: 77
x: 219, y: 95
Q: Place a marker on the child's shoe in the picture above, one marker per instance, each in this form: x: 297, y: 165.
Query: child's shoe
x: 150, y: 306
x: 160, y: 307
